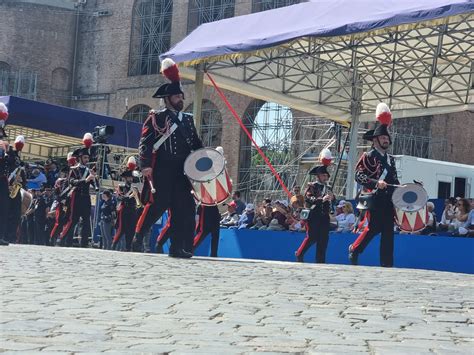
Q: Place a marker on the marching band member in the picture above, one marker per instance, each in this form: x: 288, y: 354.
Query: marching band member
x: 80, y: 178
x: 5, y: 169
x: 374, y: 171
x: 17, y: 181
x: 126, y: 211
x: 59, y: 206
x: 168, y: 137
x: 318, y: 200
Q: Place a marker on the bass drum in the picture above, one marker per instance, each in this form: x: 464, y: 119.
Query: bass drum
x: 411, y: 214
x: 206, y: 170
x: 26, y: 199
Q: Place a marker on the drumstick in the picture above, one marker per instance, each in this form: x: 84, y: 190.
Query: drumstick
x: 366, y: 178
x: 151, y: 187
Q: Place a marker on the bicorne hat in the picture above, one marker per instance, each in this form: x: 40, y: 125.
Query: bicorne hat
x: 170, y: 70
x: 384, y: 116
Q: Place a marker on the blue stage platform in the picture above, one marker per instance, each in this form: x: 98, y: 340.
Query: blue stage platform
x: 411, y: 251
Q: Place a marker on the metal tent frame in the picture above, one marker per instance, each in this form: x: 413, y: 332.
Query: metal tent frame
x: 418, y: 69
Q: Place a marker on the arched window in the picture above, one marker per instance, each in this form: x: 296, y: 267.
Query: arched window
x: 211, y: 124
x: 4, y: 66
x: 263, y: 5
x: 60, y: 79
x: 151, y: 35
x: 137, y: 113
x: 203, y: 11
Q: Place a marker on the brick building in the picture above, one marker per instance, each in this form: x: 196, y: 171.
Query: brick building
x: 102, y: 56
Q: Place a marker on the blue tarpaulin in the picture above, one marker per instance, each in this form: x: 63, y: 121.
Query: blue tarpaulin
x: 67, y: 121
x: 319, y: 18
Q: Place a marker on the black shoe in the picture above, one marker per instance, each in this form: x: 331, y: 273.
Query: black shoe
x: 137, y: 244
x: 159, y: 248
x: 181, y: 254
x: 353, y: 256
x: 3, y: 242
x: 299, y: 258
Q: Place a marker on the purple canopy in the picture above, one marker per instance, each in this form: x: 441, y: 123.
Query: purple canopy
x: 319, y: 18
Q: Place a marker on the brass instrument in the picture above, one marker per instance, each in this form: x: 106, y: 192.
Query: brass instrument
x: 135, y: 194
x: 14, y: 186
x: 15, y: 189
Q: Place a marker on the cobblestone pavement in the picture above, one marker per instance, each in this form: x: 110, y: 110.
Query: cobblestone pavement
x: 85, y: 300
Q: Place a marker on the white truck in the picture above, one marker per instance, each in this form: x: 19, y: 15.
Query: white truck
x: 440, y: 179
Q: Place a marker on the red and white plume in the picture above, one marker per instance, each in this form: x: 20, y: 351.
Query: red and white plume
x: 87, y: 140
x: 71, y: 159
x: 325, y: 157
x: 3, y: 114
x: 131, y: 163
x: 170, y: 70
x: 383, y: 114
x: 19, y: 143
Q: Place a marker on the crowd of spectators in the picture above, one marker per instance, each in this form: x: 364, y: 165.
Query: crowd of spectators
x: 279, y: 215
x: 457, y: 218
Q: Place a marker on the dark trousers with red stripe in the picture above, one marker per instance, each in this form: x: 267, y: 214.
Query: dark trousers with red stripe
x: 14, y: 217
x: 202, y: 234
x: 173, y: 192
x: 80, y: 206
x: 380, y: 221
x: 4, y: 207
x: 165, y: 232
x: 208, y: 223
x: 60, y: 217
x: 317, y: 232
x: 126, y: 221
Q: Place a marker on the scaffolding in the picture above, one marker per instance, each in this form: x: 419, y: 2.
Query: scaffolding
x: 293, y: 140
x: 18, y: 83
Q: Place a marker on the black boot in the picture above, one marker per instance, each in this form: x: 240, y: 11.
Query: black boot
x: 353, y: 256
x: 183, y: 254
x: 114, y: 245
x: 159, y: 248
x: 299, y: 258
x: 137, y: 243
x: 3, y: 242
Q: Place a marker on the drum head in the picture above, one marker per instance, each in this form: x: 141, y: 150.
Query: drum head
x: 204, y: 165
x: 410, y: 198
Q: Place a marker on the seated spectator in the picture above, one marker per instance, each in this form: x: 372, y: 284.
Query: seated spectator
x: 232, y: 216
x: 345, y: 220
x: 263, y: 215
x: 38, y: 179
x: 275, y: 226
x: 246, y: 219
x: 297, y: 200
x: 279, y: 217
x: 431, y: 225
x: 240, y: 205
x: 294, y: 222
x: 461, y: 222
x: 470, y: 221
x: 339, y: 207
x: 448, y: 214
